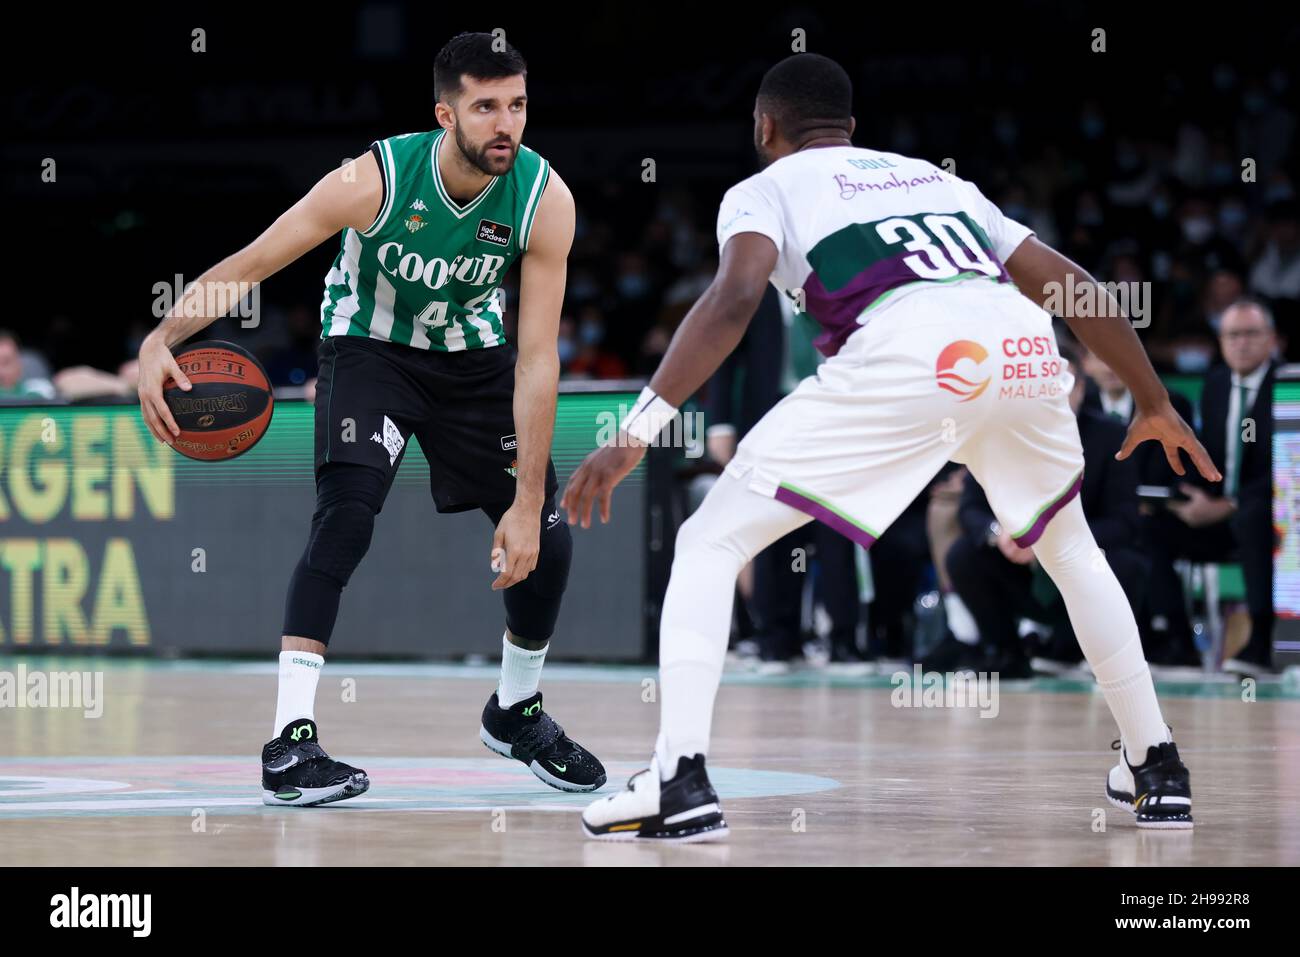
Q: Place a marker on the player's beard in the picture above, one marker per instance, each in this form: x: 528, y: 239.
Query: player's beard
x: 477, y: 156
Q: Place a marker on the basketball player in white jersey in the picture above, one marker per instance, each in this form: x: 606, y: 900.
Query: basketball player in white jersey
x: 930, y: 302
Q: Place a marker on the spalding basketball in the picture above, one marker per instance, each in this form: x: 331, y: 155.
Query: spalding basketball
x: 228, y: 407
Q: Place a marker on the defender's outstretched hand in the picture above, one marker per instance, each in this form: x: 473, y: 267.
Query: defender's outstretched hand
x: 1167, y: 427
x: 595, y: 479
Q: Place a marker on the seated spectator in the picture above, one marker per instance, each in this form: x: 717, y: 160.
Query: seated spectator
x: 1001, y: 582
x: 87, y: 382
x: 1108, y: 396
x: 1230, y: 520
x: 14, y: 384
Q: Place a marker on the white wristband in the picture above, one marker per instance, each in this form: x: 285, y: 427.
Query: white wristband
x: 647, y: 417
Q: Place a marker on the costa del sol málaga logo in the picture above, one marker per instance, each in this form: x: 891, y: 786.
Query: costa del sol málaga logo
x: 945, y: 369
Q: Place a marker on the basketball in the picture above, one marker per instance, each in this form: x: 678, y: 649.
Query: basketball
x: 228, y: 409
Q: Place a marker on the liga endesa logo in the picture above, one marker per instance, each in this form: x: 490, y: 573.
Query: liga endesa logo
x: 945, y: 369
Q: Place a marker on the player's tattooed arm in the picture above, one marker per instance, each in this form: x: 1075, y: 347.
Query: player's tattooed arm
x: 537, y: 375
x: 1037, y: 270
x: 348, y: 196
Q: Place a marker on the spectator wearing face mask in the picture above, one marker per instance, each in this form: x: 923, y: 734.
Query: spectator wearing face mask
x: 1200, y: 242
x: 591, y: 360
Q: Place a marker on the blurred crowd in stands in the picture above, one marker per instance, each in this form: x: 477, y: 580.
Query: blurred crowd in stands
x: 1203, y: 208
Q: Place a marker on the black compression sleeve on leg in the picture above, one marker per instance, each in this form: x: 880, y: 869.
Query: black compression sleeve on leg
x: 347, y: 498
x: 533, y: 605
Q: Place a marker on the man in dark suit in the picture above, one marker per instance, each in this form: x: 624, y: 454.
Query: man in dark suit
x: 1232, y: 520
x: 1000, y: 582
x: 1108, y: 396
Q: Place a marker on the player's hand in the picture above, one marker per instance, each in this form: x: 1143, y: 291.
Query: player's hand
x: 596, y: 477
x: 515, y: 545
x: 1167, y: 427
x: 157, y: 364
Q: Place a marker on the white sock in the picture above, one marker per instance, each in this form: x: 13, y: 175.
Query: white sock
x: 960, y: 621
x: 731, y: 526
x: 1106, y: 629
x: 1132, y: 701
x: 299, y: 672
x: 521, y: 670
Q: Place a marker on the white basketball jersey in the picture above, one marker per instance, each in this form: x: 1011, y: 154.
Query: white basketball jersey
x: 856, y: 228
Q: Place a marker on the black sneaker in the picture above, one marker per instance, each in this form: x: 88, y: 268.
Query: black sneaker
x: 683, y: 809
x: 1158, y: 791
x: 296, y: 770
x: 527, y: 733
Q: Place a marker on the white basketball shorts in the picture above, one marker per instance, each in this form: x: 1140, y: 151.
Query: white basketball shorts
x: 968, y: 372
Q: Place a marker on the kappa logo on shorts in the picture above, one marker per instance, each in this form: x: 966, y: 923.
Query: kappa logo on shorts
x: 391, y: 440
x: 509, y: 442
x: 945, y: 369
x: 495, y: 233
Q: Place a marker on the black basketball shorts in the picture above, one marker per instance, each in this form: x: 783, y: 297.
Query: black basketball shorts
x: 371, y: 396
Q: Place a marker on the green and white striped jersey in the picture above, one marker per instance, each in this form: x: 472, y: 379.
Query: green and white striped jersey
x: 428, y: 271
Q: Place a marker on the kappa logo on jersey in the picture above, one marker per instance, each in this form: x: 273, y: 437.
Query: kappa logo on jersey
x: 495, y: 233
x: 419, y: 204
x: 416, y: 223
x: 391, y: 440
x: 945, y: 369
x: 509, y: 442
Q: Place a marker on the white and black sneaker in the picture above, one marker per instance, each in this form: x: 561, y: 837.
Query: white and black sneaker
x: 1158, y: 791
x: 684, y: 809
x: 526, y: 733
x: 297, y: 772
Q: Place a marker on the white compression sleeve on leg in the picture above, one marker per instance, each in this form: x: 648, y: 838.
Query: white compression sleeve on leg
x: 1105, y: 626
x: 730, y: 527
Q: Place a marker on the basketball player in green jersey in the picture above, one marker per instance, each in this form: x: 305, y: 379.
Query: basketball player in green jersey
x: 412, y: 343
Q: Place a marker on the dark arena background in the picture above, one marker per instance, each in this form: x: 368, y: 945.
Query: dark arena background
x: 142, y: 593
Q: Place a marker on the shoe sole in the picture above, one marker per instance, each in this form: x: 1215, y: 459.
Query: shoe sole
x: 1147, y: 825
x: 503, y: 749
x: 313, y: 797
x: 631, y: 837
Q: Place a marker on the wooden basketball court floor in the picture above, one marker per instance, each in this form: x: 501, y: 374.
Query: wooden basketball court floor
x: 811, y: 768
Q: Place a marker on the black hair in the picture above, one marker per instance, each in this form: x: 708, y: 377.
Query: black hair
x: 807, y: 92
x: 472, y: 54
